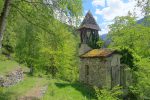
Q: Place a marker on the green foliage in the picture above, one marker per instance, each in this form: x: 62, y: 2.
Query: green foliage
x: 39, y: 40
x: 126, y: 32
x: 58, y: 90
x: 40, y: 13
x: 145, y: 21
x: 142, y: 86
x: 2, y: 94
x: 9, y: 40
x: 133, y: 40
x: 100, y: 43
x: 129, y: 57
x: 71, y: 7
x: 3, y: 57
x: 22, y: 88
x: 105, y: 94
x: 59, y: 52
x: 1, y: 5
x: 54, y: 51
x: 145, y: 5
x: 6, y: 66
x: 27, y: 48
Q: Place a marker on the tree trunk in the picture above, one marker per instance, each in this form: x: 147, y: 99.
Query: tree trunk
x: 3, y: 18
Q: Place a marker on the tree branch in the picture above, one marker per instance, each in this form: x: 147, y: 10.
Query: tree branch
x: 21, y: 13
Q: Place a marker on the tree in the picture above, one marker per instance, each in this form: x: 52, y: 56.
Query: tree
x: 32, y: 11
x: 145, y: 5
x: 42, y: 41
x: 51, y: 52
x: 100, y: 43
x: 133, y: 40
x: 58, y: 53
x: 125, y: 32
x: 3, y: 17
x: 27, y: 46
x: 141, y: 87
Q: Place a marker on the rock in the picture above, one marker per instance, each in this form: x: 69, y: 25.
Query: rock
x: 11, y: 78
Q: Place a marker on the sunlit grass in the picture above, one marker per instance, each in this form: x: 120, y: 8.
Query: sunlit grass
x: 8, y: 66
x: 57, y: 89
x: 62, y: 90
x: 20, y: 89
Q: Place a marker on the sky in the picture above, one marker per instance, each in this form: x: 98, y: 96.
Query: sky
x: 104, y: 11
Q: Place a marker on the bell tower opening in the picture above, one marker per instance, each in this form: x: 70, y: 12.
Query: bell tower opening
x: 89, y: 31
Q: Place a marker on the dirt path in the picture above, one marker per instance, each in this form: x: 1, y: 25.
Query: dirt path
x: 35, y: 93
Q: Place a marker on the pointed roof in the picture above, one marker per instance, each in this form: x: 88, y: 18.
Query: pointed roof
x: 89, y: 22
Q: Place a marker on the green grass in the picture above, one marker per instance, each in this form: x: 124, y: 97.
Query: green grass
x: 57, y: 89
x: 8, y: 66
x: 20, y: 89
x: 61, y: 90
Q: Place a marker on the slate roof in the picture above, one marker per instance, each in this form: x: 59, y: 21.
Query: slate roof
x: 89, y: 22
x: 98, y: 53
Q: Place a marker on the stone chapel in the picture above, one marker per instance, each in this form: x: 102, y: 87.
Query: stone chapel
x: 98, y: 67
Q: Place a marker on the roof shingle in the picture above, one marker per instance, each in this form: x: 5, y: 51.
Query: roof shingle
x: 89, y: 22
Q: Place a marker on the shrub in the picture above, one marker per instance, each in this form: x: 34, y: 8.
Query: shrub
x: 106, y: 94
x: 3, y: 57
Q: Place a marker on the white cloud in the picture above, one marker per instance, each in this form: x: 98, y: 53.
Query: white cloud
x: 105, y: 27
x: 95, y: 18
x: 98, y: 3
x: 114, y: 8
x: 118, y: 8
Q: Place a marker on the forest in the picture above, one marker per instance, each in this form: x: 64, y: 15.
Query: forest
x: 34, y: 36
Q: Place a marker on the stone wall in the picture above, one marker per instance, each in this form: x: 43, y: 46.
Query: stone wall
x: 126, y: 75
x: 115, y: 70
x: 96, y: 72
x: 12, y: 78
x: 101, y: 72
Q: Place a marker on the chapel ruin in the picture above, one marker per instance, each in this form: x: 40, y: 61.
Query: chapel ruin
x: 98, y: 67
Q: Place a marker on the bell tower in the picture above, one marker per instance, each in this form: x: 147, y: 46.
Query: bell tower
x: 88, y: 33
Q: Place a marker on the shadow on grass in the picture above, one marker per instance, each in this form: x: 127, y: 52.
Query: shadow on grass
x: 8, y: 96
x: 87, y: 91
x: 27, y: 74
x: 14, y: 96
x: 28, y: 98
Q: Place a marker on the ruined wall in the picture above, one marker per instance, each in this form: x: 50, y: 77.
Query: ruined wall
x: 126, y: 75
x: 115, y: 70
x: 12, y: 78
x: 97, y: 71
x: 102, y: 72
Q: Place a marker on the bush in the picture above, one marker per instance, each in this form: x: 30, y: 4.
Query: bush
x: 3, y: 57
x: 141, y: 88
x: 2, y: 96
x: 105, y: 94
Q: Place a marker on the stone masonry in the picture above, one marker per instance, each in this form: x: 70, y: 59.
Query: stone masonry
x: 12, y: 78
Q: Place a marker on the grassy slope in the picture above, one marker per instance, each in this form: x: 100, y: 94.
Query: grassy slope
x: 8, y: 66
x: 62, y: 90
x: 57, y: 89
x: 19, y: 90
